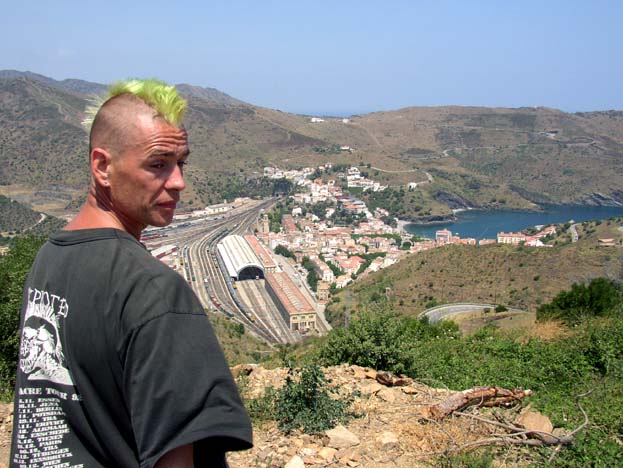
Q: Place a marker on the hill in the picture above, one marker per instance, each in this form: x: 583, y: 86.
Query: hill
x: 461, y: 156
x: 71, y: 85
x: 515, y: 276
x: 16, y: 218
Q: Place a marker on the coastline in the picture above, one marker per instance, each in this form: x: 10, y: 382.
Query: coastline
x: 402, y: 225
x: 481, y: 224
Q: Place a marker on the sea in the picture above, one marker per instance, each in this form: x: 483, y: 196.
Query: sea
x: 486, y: 224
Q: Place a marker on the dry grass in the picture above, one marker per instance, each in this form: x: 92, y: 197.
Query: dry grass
x: 548, y: 331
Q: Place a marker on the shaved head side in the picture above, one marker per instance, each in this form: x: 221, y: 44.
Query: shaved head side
x: 116, y: 124
x: 112, y: 120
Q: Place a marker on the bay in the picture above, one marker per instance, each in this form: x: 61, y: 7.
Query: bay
x: 486, y: 224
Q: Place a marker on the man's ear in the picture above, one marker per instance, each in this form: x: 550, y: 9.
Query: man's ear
x: 100, y: 166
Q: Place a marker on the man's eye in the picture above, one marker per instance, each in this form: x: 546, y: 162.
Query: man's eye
x: 182, y: 163
x: 158, y: 165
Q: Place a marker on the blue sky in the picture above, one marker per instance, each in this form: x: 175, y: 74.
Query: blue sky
x: 334, y: 57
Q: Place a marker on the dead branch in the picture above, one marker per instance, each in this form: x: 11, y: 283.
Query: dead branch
x: 517, y: 435
x: 390, y: 380
x: 481, y: 396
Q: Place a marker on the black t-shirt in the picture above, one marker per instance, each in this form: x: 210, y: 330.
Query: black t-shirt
x: 118, y: 361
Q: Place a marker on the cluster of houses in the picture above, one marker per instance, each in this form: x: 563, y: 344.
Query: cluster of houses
x: 343, y: 247
x: 445, y: 237
x: 316, y: 187
x: 324, y: 244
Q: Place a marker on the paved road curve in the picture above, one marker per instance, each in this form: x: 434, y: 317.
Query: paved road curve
x: 438, y: 313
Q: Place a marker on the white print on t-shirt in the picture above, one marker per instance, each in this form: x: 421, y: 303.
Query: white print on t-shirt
x: 41, y: 350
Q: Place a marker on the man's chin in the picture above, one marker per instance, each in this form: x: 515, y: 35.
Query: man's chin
x: 162, y: 222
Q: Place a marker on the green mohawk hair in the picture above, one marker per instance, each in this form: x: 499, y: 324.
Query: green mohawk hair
x: 162, y: 97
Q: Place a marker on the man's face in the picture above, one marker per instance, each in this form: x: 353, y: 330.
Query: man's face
x: 147, y: 177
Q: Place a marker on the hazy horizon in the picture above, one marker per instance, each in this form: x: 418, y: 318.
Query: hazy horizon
x: 326, y: 58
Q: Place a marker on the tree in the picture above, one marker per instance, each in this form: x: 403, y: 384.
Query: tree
x: 284, y: 251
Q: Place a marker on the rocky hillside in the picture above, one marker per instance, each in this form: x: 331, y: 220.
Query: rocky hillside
x: 465, y: 156
x: 393, y: 427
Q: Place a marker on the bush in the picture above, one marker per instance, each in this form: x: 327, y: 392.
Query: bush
x: 581, y: 301
x: 382, y: 341
x: 14, y: 268
x: 305, y: 402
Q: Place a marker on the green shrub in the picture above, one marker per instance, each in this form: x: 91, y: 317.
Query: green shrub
x: 305, y: 402
x: 595, y: 299
x: 263, y: 408
x: 382, y: 341
x: 14, y: 268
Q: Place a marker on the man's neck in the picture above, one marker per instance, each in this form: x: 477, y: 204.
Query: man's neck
x: 94, y: 214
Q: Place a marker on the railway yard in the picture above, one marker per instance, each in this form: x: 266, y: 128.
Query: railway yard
x: 244, y: 301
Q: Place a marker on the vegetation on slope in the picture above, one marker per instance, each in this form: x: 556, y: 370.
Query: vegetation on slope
x: 493, y: 158
x: 14, y: 268
x: 587, y: 361
x: 515, y: 276
x: 15, y: 218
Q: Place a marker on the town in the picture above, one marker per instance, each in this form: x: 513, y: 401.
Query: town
x: 302, y: 249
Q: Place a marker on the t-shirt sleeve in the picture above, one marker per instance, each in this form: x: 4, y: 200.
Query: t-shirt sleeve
x: 179, y: 388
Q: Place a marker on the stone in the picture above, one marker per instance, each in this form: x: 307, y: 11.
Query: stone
x: 344, y: 455
x: 295, y: 462
x: 264, y: 454
x: 327, y: 454
x: 386, y: 394
x: 371, y: 374
x: 340, y: 437
x: 384, y: 378
x: 535, y: 421
x: 370, y: 388
x: 308, y: 452
x: 410, y: 390
x: 387, y: 439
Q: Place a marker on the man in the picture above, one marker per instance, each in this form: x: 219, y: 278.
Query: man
x: 119, y: 366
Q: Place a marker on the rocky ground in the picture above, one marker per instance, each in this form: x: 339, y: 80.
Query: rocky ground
x: 393, y: 428
x: 6, y: 421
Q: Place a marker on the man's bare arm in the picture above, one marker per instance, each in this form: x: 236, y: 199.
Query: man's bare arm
x: 180, y: 457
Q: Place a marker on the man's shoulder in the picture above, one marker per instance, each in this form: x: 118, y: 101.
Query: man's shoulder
x: 125, y: 270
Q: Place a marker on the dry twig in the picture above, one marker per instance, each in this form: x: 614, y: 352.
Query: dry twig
x: 517, y: 435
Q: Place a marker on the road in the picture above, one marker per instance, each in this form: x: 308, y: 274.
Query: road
x: 442, y: 312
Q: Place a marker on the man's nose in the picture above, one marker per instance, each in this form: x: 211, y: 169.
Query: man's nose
x: 176, y: 179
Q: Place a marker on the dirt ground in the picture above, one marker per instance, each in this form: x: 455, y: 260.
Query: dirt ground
x: 6, y: 422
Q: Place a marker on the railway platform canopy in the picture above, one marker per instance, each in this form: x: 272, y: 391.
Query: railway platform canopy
x: 239, y: 259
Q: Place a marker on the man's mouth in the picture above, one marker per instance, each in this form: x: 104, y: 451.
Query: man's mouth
x: 171, y: 205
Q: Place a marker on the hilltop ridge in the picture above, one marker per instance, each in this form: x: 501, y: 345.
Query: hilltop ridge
x: 490, y: 158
